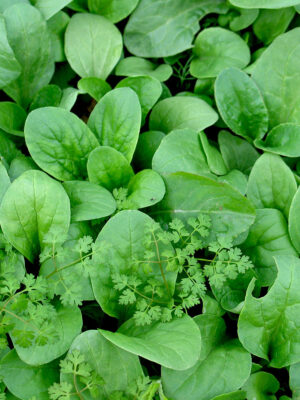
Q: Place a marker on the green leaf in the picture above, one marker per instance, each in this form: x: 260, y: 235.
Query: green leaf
x: 272, y: 23
x: 136, y: 66
x: 264, y: 3
x: 59, y: 142
x: 147, y: 145
x: 48, y: 96
x: 245, y: 18
x: 175, y: 344
x: 222, y: 367
x: 8, y: 3
x: 4, y: 181
x: 182, y: 112
x: 109, y: 168
x: 294, y: 214
x: 145, y: 189
x: 216, y: 49
x: 180, y: 150
x: 268, y: 237
x: 230, y: 212
x: 92, y: 52
x: 16, y: 376
x: 29, y: 38
x: 19, y: 165
x: 267, y: 326
x: 214, y: 159
x: 32, y: 205
x: 240, y: 104
x: 261, y: 386
x: 294, y: 371
x: 236, y: 152
x: 95, y: 87
x: 114, y: 10
x: 50, y: 7
x: 57, y: 25
x: 89, y: 201
x: 275, y: 187
x: 236, y: 179
x: 8, y: 149
x: 273, y: 73
x: 148, y: 90
x: 117, y: 367
x: 9, y: 66
x: 67, y: 325
x: 283, y: 139
x: 156, y: 31
x: 116, y: 120
x: 126, y: 247
x: 69, y: 97
x: 12, y: 118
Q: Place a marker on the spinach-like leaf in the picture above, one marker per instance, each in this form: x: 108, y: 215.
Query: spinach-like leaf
x: 136, y: 66
x: 114, y: 10
x: 9, y: 66
x: 294, y: 214
x: 283, y: 139
x: 261, y: 386
x: 50, y: 7
x: 117, y: 367
x: 145, y: 189
x: 240, y: 104
x: 4, y: 181
x: 40, y: 377
x: 275, y: 187
x: 32, y: 205
x: 236, y: 152
x: 230, y: 212
x: 222, y: 367
x: 29, y: 38
x: 264, y: 3
x: 272, y: 23
x: 67, y: 324
x: 125, y: 248
x: 180, y: 150
x: 109, y: 168
x: 148, y: 90
x: 268, y: 326
x: 89, y: 201
x: 216, y: 49
x: 59, y: 142
x: 175, y: 344
x: 12, y: 118
x: 277, y: 75
x: 214, y: 158
x: 182, y: 112
x: 116, y: 120
x: 146, y: 147
x: 93, y: 45
x: 95, y: 87
x: 268, y: 237
x: 156, y: 31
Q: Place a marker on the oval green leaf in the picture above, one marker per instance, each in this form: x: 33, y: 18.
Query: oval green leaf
x: 182, y: 112
x: 156, y: 31
x: 59, y: 142
x: 277, y: 74
x: 283, y: 139
x: 175, y: 344
x: 240, y: 104
x: 268, y: 326
x: 114, y: 10
x: 136, y: 66
x: 294, y: 215
x: 89, y: 201
x: 32, y: 205
x: 93, y: 45
x: 271, y: 184
x: 264, y: 3
x: 116, y: 120
x: 216, y: 49
x: 109, y: 168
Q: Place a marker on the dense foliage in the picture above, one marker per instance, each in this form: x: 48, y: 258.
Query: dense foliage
x: 149, y: 201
